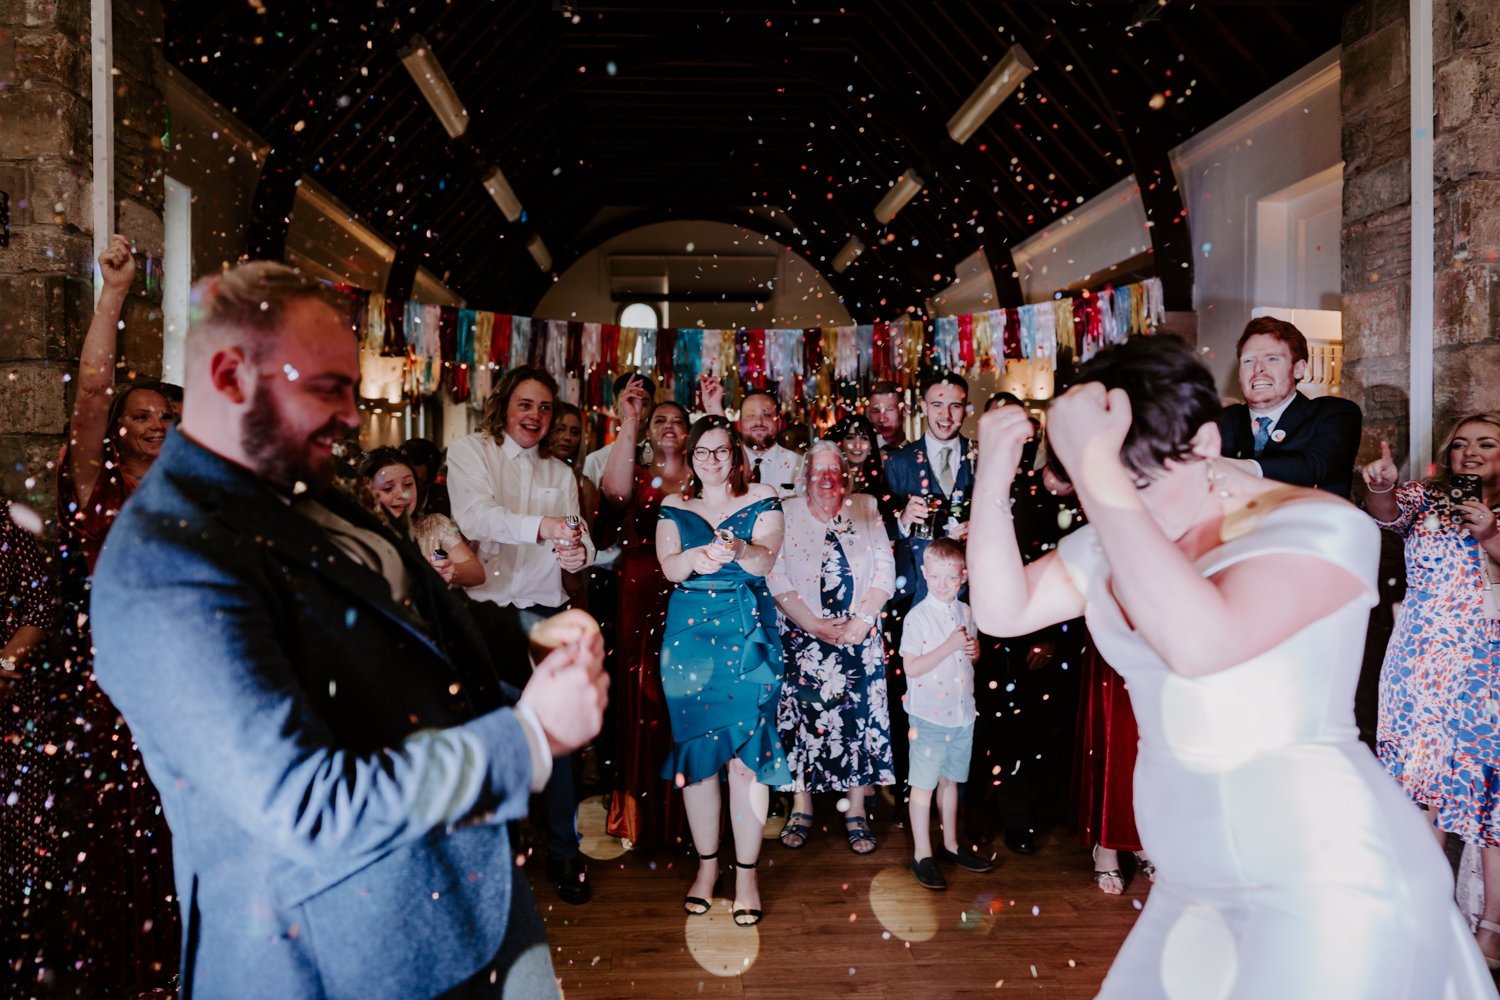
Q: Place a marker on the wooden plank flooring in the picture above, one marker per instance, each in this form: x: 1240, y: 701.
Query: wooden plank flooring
x: 837, y: 924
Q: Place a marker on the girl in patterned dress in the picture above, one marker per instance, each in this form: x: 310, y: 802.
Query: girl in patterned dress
x: 1439, y: 729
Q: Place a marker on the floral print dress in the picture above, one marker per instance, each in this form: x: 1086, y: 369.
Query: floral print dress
x: 834, y: 717
x: 1439, y: 729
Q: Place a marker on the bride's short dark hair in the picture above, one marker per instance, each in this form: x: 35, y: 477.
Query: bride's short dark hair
x: 1171, y: 396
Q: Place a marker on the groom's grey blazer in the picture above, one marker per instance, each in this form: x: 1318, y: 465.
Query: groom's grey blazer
x: 336, y: 769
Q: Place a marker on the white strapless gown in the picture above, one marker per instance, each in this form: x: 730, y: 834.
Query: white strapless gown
x: 1289, y: 865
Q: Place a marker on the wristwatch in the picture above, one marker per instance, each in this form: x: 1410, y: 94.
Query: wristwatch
x: 868, y: 619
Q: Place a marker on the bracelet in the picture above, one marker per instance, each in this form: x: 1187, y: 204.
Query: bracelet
x: 1369, y: 489
x: 1005, y: 503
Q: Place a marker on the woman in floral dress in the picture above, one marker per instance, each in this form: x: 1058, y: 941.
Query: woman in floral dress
x: 1439, y: 729
x: 831, y: 582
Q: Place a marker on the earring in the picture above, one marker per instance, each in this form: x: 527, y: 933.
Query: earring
x: 1217, y: 480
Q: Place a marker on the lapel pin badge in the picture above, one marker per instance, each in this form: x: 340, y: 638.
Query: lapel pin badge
x: 1278, y: 435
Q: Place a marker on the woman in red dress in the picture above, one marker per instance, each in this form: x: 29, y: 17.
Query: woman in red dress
x: 122, y: 908
x: 644, y: 810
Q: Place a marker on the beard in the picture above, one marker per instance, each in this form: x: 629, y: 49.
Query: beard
x: 760, y: 440
x: 279, y: 456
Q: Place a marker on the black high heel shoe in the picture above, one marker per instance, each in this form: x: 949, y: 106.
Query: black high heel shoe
x: 751, y: 917
x: 696, y: 906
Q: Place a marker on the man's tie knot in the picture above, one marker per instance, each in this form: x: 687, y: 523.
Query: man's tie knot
x: 1262, y: 433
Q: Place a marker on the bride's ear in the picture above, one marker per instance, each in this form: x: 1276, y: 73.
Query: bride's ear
x: 1207, y: 443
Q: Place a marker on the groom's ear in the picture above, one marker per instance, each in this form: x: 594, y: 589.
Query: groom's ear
x: 1207, y: 443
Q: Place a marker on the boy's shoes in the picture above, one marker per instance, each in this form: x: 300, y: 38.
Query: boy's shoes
x: 928, y: 876
x: 965, y: 859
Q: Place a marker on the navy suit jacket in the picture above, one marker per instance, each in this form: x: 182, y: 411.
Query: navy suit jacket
x: 1318, y: 450
x: 908, y: 472
x: 336, y: 769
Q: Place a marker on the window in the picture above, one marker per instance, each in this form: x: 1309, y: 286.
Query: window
x: 639, y: 314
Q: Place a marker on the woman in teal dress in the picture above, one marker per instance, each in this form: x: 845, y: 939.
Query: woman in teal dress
x: 721, y: 657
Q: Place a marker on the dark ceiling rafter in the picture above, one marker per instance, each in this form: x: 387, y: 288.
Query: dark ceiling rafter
x: 666, y: 129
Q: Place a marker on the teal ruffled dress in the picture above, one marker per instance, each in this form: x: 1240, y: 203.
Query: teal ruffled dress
x: 721, y: 662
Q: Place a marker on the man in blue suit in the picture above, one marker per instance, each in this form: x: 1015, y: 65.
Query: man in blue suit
x: 336, y: 757
x: 938, y: 464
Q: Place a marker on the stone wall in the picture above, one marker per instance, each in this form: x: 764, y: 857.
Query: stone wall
x: 46, y: 150
x: 1377, y: 216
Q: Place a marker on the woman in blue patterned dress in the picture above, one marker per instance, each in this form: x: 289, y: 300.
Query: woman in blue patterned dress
x: 1439, y: 730
x: 831, y: 582
x: 721, y: 658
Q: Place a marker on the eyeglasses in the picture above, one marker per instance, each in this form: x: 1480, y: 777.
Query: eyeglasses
x: 717, y: 454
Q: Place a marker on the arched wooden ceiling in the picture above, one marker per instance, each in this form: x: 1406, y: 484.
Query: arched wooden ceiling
x: 682, y: 109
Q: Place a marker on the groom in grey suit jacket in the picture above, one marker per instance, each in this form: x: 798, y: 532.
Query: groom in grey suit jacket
x: 335, y: 754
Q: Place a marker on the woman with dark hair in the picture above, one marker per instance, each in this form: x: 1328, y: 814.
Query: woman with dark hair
x: 642, y: 810
x: 392, y: 494
x: 721, y: 658
x: 1289, y: 864
x: 856, y: 438
x: 566, y: 437
x: 1437, y: 734
x: 425, y: 460
x: 115, y: 434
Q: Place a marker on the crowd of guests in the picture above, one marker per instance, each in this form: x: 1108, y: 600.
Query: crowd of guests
x: 788, y: 622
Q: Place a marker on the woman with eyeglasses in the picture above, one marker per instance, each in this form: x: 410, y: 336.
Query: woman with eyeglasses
x: 638, y: 475
x: 721, y: 657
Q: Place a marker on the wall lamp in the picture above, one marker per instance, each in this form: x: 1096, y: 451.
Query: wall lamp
x: 538, y: 251
x: 903, y: 191
x: 434, y: 84
x: 504, y: 195
x: 1007, y: 75
x: 845, y: 257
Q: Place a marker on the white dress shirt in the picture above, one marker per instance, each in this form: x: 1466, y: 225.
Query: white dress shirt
x: 500, y: 493
x: 935, y: 449
x: 594, y: 463
x: 944, y: 695
x: 778, y: 468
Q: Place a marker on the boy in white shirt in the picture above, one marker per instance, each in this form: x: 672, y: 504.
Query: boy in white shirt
x: 939, y: 646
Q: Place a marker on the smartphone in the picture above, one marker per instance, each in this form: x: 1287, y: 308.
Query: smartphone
x: 1462, y: 488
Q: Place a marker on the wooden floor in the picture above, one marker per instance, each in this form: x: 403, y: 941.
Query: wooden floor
x: 838, y: 925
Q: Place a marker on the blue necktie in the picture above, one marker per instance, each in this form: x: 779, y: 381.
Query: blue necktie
x: 1262, y: 434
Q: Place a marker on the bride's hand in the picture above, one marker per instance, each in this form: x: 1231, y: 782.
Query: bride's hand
x: 1086, y: 429
x: 1003, y: 433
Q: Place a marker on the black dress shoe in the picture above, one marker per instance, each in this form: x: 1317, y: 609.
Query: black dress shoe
x: 571, y: 879
x: 928, y: 875
x: 965, y: 859
x: 1020, y: 841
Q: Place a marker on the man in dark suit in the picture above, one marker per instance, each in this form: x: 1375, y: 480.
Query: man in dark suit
x: 336, y: 756
x: 939, y: 465
x: 1284, y: 434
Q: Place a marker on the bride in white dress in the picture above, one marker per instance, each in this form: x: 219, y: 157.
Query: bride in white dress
x: 1288, y: 864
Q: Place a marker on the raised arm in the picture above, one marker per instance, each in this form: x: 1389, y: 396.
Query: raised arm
x: 618, y: 482
x: 96, y: 369
x: 1380, y: 478
x: 1008, y: 597
x: 1198, y: 626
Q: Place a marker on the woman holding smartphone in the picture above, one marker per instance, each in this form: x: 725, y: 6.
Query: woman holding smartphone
x: 1439, y: 730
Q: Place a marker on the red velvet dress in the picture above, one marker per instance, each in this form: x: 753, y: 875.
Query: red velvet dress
x: 1104, y: 764
x: 644, y: 809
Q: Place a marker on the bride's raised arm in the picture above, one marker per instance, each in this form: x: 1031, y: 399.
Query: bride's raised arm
x: 1007, y: 597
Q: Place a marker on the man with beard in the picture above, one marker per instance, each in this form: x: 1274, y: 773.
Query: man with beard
x: 336, y: 755
x: 765, y: 460
x: 885, y: 413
